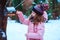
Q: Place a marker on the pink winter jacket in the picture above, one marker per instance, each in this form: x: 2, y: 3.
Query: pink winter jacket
x: 40, y: 27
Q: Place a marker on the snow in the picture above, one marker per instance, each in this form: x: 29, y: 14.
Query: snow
x: 52, y: 30
x: 17, y: 31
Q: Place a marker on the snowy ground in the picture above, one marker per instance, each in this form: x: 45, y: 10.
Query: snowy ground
x: 17, y: 31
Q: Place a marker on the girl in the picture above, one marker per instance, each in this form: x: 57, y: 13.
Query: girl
x: 35, y: 23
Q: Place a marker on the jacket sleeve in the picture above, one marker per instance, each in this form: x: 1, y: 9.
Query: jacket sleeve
x: 45, y: 15
x: 22, y: 19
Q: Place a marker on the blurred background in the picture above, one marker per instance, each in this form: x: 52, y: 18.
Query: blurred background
x: 26, y: 7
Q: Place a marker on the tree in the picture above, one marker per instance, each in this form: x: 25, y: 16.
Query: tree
x: 16, y: 4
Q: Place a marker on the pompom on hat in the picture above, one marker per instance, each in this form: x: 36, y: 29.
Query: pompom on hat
x: 46, y: 6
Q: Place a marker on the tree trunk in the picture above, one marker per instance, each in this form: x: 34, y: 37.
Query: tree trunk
x: 3, y: 19
x: 9, y: 3
x: 27, y: 4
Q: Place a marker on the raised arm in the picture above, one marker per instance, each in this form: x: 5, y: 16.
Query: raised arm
x: 21, y: 18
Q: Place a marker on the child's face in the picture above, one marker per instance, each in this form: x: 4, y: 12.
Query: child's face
x: 33, y: 14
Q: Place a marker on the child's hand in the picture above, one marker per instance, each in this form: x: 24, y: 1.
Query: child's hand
x: 18, y: 12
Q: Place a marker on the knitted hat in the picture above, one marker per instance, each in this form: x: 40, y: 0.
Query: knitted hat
x: 38, y: 10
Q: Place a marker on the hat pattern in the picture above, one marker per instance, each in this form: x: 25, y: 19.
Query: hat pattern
x: 38, y: 10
